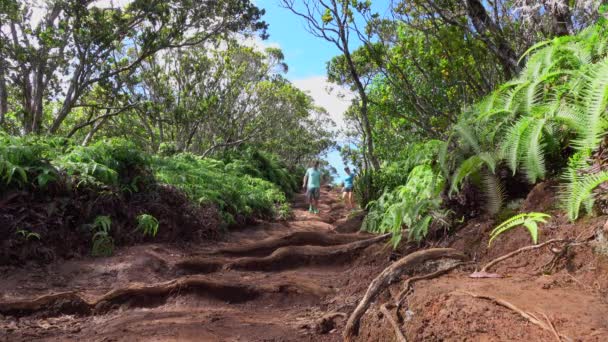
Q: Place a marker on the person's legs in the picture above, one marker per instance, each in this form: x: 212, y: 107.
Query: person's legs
x: 348, y: 198
x: 310, y: 199
x: 316, y: 196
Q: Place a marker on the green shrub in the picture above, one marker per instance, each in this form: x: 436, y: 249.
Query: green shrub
x: 147, y: 225
x: 210, y: 181
x: 413, y: 206
x: 103, y: 243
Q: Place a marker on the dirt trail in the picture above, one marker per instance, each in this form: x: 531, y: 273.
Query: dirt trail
x: 269, y: 282
x: 299, y: 281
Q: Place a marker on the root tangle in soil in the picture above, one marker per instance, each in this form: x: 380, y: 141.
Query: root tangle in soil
x: 389, y: 275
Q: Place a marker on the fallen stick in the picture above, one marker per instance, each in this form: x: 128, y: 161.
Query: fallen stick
x: 389, y: 275
x: 398, y: 334
x: 527, y: 315
x: 523, y: 249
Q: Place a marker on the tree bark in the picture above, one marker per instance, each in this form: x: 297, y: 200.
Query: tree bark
x: 493, y: 38
x: 3, y: 93
x: 96, y: 126
x: 369, y: 142
x: 561, y: 18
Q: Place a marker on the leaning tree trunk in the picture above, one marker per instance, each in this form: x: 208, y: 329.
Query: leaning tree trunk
x: 492, y: 36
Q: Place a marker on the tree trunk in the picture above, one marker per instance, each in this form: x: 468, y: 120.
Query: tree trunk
x: 369, y: 142
x: 94, y: 129
x: 492, y: 35
x: 3, y: 94
x: 561, y: 18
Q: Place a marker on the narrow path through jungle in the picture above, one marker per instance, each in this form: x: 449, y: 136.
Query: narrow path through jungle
x: 268, y: 282
x: 299, y: 280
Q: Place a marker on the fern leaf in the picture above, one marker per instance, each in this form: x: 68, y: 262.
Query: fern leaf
x: 534, y: 164
x: 494, y: 193
x: 581, y: 190
x: 510, y: 145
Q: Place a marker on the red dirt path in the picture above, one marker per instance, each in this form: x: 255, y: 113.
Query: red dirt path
x: 287, y: 303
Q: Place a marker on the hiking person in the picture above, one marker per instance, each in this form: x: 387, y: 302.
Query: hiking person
x: 347, y: 191
x: 312, y: 185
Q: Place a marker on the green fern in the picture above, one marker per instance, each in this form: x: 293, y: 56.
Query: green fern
x: 528, y: 220
x: 103, y: 243
x: 494, y: 193
x: 147, y: 224
x: 580, y: 191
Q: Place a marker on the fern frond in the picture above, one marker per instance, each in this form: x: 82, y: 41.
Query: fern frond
x: 595, y: 99
x: 581, y: 190
x: 494, y: 193
x: 528, y: 220
x: 467, y: 167
x: 534, y: 47
x: 510, y: 145
x: 534, y: 164
x: 467, y: 134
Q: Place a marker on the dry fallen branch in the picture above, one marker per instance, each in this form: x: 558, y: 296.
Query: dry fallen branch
x: 389, y: 275
x: 548, y: 326
x: 398, y: 334
x: 523, y: 249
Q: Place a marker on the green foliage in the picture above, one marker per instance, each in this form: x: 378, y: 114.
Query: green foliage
x: 103, y: 243
x: 147, y: 225
x: 413, y: 206
x: 262, y: 165
x: 27, y: 235
x: 558, y: 102
x: 528, y: 220
x: 210, y: 181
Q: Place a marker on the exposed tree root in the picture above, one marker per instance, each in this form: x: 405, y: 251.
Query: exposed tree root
x: 523, y: 249
x: 294, y: 256
x: 548, y: 325
x: 389, y: 275
x: 282, y: 258
x: 408, y: 283
x: 398, y: 334
x: 267, y: 246
x: 151, y: 295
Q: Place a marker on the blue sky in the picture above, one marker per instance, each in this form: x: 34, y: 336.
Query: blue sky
x: 307, y: 57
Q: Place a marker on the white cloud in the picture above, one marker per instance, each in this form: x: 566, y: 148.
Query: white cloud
x: 257, y: 43
x: 334, y: 98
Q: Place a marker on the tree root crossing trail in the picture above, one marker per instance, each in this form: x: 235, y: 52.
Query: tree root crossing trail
x: 314, y: 278
x: 290, y: 281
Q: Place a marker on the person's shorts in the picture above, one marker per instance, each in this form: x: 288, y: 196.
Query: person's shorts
x: 313, y: 193
x: 348, y: 190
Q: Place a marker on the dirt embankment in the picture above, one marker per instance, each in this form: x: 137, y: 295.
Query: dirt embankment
x: 302, y: 281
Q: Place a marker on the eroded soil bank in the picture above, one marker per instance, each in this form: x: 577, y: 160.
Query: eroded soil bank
x: 300, y: 280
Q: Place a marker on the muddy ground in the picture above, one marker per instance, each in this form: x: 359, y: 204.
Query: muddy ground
x: 299, y: 280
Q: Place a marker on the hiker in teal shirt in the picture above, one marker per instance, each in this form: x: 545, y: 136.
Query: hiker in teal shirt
x: 312, y: 185
x: 347, y: 192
